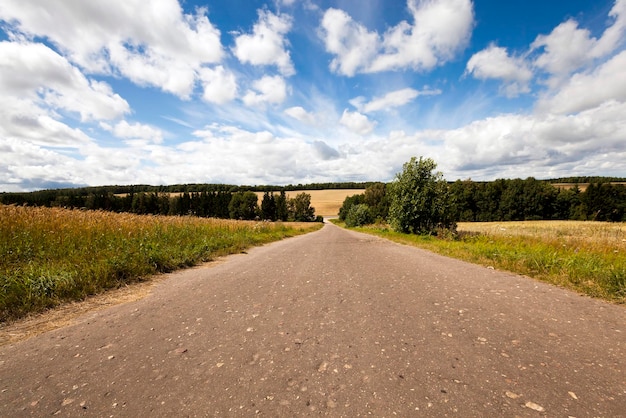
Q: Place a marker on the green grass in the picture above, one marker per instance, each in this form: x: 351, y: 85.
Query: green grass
x: 587, y: 257
x: 50, y: 256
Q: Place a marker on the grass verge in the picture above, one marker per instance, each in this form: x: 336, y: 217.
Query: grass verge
x: 587, y: 257
x: 50, y: 255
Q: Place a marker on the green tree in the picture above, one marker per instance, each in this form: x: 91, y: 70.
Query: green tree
x: 421, y: 202
x: 268, y: 207
x: 377, y: 200
x: 301, y: 208
x: 282, y: 210
x: 348, y: 202
x: 243, y: 205
x: 359, y: 215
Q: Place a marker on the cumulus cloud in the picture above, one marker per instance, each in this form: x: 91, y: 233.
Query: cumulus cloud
x: 267, y: 44
x: 357, y: 122
x: 568, y: 48
x: 440, y: 28
x: 495, y: 63
x: 219, y: 85
x: 151, y: 43
x: 589, y: 90
x: 551, y: 58
x: 510, y: 146
x: 136, y: 131
x: 352, y: 44
x: 390, y: 100
x: 34, y: 72
x: 267, y: 90
x: 299, y: 113
x: 324, y: 151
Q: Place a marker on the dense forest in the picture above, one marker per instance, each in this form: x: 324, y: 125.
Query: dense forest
x: 508, y: 200
x: 499, y: 200
x: 530, y: 199
x: 217, y: 202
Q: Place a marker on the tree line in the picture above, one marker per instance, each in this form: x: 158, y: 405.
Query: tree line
x: 465, y: 200
x: 221, y: 203
x: 419, y: 200
x: 48, y: 197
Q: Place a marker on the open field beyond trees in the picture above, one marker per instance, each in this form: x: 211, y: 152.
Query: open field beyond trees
x: 582, y: 186
x: 325, y: 202
x: 588, y: 257
x: 53, y: 255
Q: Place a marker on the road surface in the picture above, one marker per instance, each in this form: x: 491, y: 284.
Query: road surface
x: 332, y: 323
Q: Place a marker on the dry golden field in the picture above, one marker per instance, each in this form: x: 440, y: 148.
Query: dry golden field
x: 578, y: 234
x: 581, y: 186
x: 325, y: 202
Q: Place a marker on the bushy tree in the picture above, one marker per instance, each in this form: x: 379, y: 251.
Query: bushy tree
x: 268, y: 207
x: 359, y: 215
x: 282, y: 210
x: 378, y: 201
x: 300, y: 208
x: 348, y: 202
x: 243, y: 205
x: 420, y: 199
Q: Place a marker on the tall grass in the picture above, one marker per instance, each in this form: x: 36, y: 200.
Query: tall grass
x: 52, y: 255
x: 588, y: 257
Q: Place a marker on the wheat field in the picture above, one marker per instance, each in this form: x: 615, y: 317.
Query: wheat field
x: 54, y: 255
x: 325, y: 202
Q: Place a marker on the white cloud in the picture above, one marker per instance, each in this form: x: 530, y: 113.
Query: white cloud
x: 299, y: 113
x: 136, y: 131
x: 357, y: 122
x: 352, y: 44
x: 565, y: 49
x: 568, y: 48
x: 220, y: 85
x: 269, y: 89
x: 34, y: 72
x: 392, y: 99
x: 151, y: 43
x: 494, y: 62
x: 588, y: 90
x: 267, y: 43
x: 23, y: 122
x: 440, y: 28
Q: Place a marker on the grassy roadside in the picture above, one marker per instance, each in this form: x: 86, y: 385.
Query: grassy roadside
x: 51, y: 255
x: 587, y: 257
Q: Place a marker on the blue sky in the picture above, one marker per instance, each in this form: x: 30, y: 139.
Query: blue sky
x: 298, y: 91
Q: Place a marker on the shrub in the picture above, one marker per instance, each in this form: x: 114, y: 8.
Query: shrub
x: 359, y: 215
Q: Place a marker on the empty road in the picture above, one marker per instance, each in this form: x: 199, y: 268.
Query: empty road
x: 332, y: 323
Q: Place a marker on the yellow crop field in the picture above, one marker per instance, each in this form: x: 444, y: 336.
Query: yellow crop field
x: 581, y: 186
x: 581, y: 235
x: 325, y: 202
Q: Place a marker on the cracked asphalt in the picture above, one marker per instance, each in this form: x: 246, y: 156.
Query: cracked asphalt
x: 332, y: 323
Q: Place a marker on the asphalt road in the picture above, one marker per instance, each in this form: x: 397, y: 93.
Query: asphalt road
x: 331, y: 323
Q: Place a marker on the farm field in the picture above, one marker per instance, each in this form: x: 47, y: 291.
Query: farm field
x: 325, y: 202
x: 53, y: 255
x: 588, y: 257
x: 581, y: 186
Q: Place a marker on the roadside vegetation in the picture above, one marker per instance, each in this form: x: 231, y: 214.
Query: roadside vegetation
x: 419, y: 208
x: 584, y: 256
x: 53, y: 255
